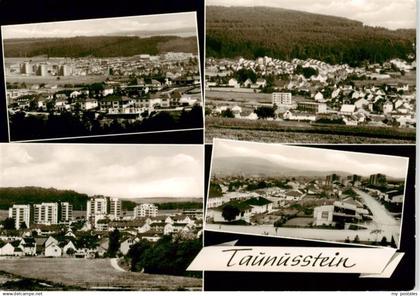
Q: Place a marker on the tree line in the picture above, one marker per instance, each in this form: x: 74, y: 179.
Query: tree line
x: 98, y: 46
x: 67, y: 124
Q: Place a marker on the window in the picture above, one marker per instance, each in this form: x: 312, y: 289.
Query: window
x: 324, y: 215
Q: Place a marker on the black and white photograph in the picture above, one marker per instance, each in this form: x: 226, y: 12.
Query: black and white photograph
x: 106, y: 76
x: 305, y: 71
x: 306, y: 193
x: 80, y: 217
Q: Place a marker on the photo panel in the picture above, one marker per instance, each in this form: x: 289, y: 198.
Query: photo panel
x: 98, y: 77
x: 311, y: 71
x: 100, y: 217
x: 344, y: 157
x: 306, y: 193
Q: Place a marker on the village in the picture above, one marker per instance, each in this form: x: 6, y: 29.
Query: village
x: 50, y: 229
x: 313, y: 91
x: 341, y: 207
x: 129, y: 88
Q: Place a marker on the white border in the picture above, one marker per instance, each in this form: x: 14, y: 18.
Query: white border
x: 2, y: 28
x: 305, y: 147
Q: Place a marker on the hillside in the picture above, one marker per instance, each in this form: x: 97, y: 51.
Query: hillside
x: 166, y: 203
x: 253, y: 32
x: 253, y: 166
x: 98, y: 46
x: 32, y: 195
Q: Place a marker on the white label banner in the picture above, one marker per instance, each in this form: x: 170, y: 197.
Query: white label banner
x: 293, y: 259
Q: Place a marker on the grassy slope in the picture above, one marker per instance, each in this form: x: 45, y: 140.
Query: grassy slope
x: 91, y: 273
x: 292, y: 132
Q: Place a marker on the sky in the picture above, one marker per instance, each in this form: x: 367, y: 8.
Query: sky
x: 314, y: 159
x: 125, y: 171
x: 182, y: 22
x: 391, y: 14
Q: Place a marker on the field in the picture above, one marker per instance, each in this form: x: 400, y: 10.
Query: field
x: 409, y: 78
x: 244, y: 100
x: 93, y: 274
x: 53, y: 80
x: 4, y: 214
x: 300, y: 132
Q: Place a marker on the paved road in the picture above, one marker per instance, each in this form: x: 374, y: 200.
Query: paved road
x: 381, y: 216
x: 114, y: 264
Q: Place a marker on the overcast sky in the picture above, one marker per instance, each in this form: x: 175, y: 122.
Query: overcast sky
x: 314, y: 159
x: 182, y: 22
x: 391, y: 14
x: 111, y: 170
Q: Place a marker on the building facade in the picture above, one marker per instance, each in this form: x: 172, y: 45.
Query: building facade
x: 20, y: 213
x: 145, y: 210
x: 66, y: 211
x: 281, y: 98
x: 115, y: 208
x: 96, y: 209
x: 46, y: 213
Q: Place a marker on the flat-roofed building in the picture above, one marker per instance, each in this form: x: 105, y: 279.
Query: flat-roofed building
x: 21, y: 214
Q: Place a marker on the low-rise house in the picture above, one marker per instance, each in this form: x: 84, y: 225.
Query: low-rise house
x: 293, y: 195
x: 298, y: 116
x: 339, y: 212
x: 151, y: 236
x: 347, y: 109
x: 8, y: 250
x: 247, y: 208
x: 126, y: 245
x: 233, y: 83
x: 50, y: 240
x: 261, y: 83
x: 53, y: 250
x: 69, y: 248
x: 28, y: 246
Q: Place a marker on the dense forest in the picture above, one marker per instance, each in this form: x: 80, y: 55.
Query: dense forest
x: 166, y: 256
x: 253, y: 32
x: 32, y: 195
x: 99, y: 46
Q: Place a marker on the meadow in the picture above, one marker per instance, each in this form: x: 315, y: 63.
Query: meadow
x: 302, y: 132
x: 93, y: 274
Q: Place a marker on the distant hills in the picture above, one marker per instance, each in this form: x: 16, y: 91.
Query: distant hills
x: 253, y: 166
x: 32, y: 195
x: 253, y: 32
x: 98, y: 46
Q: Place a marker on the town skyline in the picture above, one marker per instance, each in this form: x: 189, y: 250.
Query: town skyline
x: 177, y: 24
x: 370, y: 12
x: 94, y: 171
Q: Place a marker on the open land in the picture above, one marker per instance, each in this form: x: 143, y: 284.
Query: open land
x: 303, y: 132
x: 93, y: 274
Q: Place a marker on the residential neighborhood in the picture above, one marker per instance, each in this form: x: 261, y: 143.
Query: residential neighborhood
x: 315, y: 91
x: 106, y: 91
x: 60, y: 234
x: 301, y: 95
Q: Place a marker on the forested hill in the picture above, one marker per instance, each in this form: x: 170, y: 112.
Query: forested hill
x: 98, y: 46
x: 32, y: 195
x: 253, y: 32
